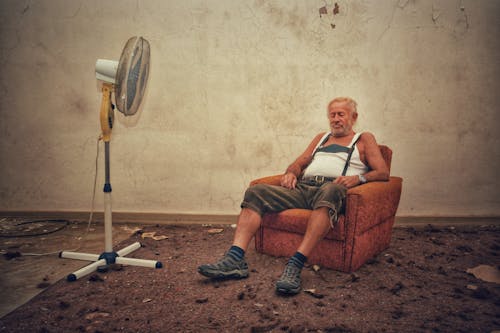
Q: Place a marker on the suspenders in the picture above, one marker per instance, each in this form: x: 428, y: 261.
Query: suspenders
x: 349, y: 153
x: 348, y: 161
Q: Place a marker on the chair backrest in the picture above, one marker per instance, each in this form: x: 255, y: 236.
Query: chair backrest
x: 387, y: 155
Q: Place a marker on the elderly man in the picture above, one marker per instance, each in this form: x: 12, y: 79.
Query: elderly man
x: 318, y: 180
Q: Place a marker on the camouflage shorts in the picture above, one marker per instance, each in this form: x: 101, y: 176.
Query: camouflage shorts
x: 264, y: 198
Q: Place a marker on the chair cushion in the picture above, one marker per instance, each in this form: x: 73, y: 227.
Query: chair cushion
x: 295, y: 220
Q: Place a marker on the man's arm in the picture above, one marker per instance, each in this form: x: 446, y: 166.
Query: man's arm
x: 294, y: 170
x: 373, y: 158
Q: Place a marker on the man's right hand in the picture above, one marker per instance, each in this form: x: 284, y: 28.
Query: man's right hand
x: 289, y: 180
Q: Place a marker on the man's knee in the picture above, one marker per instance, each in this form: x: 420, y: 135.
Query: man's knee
x: 332, y: 196
x: 256, y: 192
x: 254, y: 198
x: 334, y: 191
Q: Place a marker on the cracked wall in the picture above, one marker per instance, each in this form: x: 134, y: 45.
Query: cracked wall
x: 236, y: 91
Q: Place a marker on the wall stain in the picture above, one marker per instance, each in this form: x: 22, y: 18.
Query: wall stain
x: 79, y: 104
x: 231, y: 149
x: 263, y: 152
x: 285, y: 18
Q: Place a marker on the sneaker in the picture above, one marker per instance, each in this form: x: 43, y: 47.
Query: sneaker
x: 225, y: 268
x: 289, y: 282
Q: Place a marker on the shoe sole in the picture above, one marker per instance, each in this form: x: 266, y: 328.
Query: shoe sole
x: 284, y: 291
x: 235, y: 274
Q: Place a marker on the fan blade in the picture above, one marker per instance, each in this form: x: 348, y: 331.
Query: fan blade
x: 132, y: 75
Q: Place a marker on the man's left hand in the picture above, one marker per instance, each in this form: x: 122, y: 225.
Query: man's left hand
x: 289, y: 180
x: 347, y: 181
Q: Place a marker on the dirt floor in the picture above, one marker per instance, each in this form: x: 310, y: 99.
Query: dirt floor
x: 419, y: 284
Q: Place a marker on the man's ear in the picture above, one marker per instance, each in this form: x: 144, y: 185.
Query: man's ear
x: 355, y: 116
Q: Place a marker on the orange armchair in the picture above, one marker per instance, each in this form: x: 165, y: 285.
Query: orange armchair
x: 363, y: 230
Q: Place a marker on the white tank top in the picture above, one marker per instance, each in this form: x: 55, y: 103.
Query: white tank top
x: 330, y: 161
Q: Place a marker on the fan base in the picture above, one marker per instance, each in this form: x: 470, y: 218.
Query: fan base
x: 104, y: 260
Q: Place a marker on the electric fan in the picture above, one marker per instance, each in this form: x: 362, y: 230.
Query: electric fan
x: 127, y: 79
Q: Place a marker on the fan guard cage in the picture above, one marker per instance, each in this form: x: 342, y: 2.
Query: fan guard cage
x: 132, y: 75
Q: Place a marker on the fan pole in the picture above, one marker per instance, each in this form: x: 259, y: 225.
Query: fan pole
x: 108, y: 257
x: 107, y: 117
x: 108, y: 218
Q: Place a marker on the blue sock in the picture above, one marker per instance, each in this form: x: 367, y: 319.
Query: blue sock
x: 236, y: 252
x: 298, y: 260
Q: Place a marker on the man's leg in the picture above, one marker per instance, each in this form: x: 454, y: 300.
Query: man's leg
x: 248, y: 224
x: 257, y: 199
x: 329, y: 198
x: 318, y: 226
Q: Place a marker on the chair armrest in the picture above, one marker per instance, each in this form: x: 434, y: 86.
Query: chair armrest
x: 372, y: 203
x: 270, y: 180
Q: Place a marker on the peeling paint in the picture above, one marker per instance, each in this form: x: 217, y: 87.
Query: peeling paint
x: 403, y: 3
x: 465, y: 16
x: 335, y: 11
x: 323, y: 11
x: 435, y: 14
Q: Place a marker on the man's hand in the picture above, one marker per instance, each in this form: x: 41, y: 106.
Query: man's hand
x: 347, y: 181
x: 289, y: 180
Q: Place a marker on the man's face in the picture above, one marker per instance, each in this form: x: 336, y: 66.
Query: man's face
x: 341, y: 118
